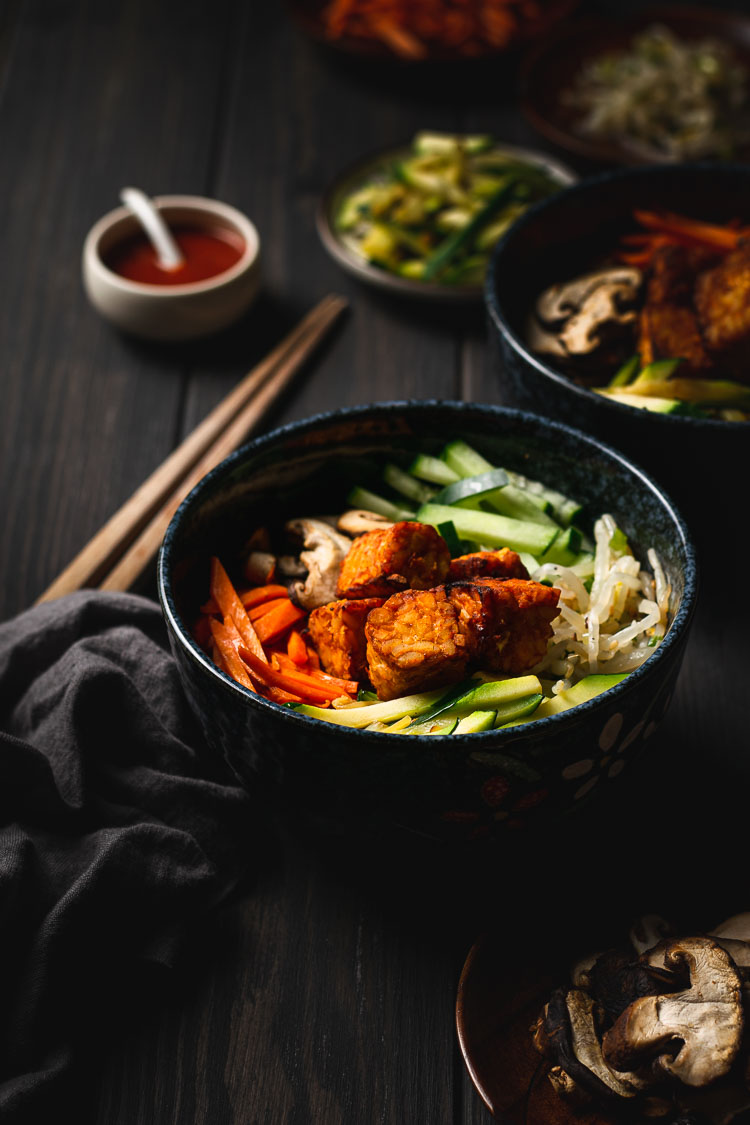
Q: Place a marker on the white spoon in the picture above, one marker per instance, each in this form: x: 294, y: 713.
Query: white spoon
x: 168, y: 252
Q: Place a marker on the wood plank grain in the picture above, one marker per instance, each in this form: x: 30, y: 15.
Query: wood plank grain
x: 92, y: 99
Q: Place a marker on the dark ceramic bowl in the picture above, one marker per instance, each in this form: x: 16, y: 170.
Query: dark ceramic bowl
x: 471, y: 785
x: 699, y: 461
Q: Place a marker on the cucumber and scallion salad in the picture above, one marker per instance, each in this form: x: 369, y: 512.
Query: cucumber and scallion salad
x: 435, y: 215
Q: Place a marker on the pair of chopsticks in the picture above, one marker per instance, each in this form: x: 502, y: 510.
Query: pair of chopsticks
x: 119, y: 553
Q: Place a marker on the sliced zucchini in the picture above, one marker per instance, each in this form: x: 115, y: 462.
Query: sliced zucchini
x: 655, y: 404
x: 385, y: 712
x: 626, y: 373
x: 497, y: 694
x: 443, y: 724
x: 475, y: 722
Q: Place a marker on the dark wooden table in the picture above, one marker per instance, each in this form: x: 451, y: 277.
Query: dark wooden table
x: 326, y: 993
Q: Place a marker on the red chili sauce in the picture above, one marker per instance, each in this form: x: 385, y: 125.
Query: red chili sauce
x: 208, y: 251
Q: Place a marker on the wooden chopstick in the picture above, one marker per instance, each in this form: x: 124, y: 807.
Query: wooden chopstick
x: 119, y: 552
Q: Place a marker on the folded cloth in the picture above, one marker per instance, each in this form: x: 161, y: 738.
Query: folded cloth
x: 117, y: 829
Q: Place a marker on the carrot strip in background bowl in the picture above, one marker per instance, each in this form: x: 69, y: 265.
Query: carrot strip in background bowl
x: 226, y: 597
x: 694, y: 231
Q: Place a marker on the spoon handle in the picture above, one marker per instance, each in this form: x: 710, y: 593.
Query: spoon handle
x: 169, y: 254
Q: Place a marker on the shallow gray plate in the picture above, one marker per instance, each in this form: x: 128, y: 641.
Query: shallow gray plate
x: 353, y: 262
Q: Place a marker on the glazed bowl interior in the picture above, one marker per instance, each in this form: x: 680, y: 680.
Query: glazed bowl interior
x: 307, y: 469
x: 568, y: 235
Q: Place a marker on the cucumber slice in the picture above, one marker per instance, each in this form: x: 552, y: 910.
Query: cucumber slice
x: 388, y: 711
x: 406, y: 484
x: 565, y: 549
x: 432, y: 469
x: 486, y: 527
x: 465, y: 461
x: 372, y: 502
x: 475, y: 722
x: 453, y: 543
x: 472, y: 486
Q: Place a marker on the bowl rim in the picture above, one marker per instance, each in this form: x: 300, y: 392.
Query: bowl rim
x: 348, y: 179
x: 586, y: 187
x: 386, y: 741
x: 199, y: 205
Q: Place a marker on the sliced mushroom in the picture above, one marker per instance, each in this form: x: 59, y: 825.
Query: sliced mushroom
x: 617, y: 979
x: 648, y: 931
x: 572, y: 1043
x: 584, y: 331
x: 259, y: 567
x: 359, y: 520
x: 324, y: 551
x: 578, y: 317
x: 289, y: 566
x: 559, y: 302
x: 738, y: 926
x: 693, y: 1035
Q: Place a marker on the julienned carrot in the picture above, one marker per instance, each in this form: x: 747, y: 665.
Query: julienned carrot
x: 226, y: 597
x: 299, y: 682
x: 297, y: 649
x: 229, y: 654
x: 679, y: 226
x: 286, y: 664
x: 251, y: 597
x: 202, y: 632
x: 312, y: 657
x: 278, y: 620
x: 233, y: 638
x: 259, y: 594
x: 257, y: 611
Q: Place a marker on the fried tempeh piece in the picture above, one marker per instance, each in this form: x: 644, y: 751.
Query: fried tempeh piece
x: 525, y: 611
x: 338, y: 633
x: 407, y: 555
x: 503, y: 563
x: 423, y: 639
x: 668, y: 326
x: 722, y: 301
x: 417, y: 641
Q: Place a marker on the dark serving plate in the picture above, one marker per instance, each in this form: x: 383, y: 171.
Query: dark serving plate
x: 699, y: 461
x: 470, y: 786
x: 550, y: 68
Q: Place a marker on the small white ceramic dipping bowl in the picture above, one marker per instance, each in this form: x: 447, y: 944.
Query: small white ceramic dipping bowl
x: 172, y: 312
